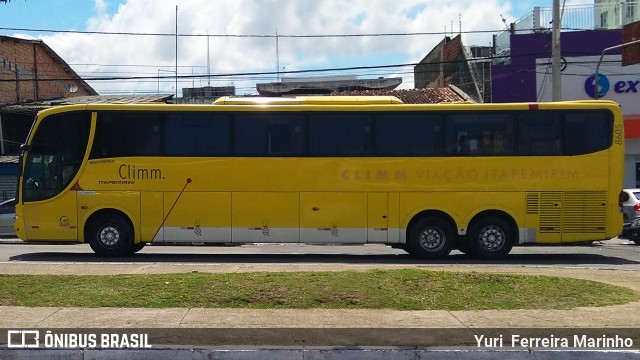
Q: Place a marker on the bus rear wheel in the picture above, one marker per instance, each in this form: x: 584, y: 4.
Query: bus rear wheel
x: 431, y: 238
x: 110, y: 235
x: 491, y: 238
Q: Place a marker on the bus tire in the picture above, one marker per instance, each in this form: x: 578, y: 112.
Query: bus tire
x: 491, y: 237
x: 431, y: 238
x: 111, y: 235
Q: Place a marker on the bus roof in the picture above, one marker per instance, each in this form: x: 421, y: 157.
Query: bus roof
x: 309, y: 100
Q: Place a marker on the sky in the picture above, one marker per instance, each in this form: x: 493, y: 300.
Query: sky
x: 219, y: 43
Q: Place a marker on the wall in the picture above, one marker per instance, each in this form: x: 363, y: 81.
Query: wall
x: 446, y: 65
x: 517, y: 81
x: 28, y: 60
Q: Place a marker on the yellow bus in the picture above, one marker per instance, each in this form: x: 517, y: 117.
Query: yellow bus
x: 429, y: 179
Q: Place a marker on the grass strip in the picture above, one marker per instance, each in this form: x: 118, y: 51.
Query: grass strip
x: 401, y: 289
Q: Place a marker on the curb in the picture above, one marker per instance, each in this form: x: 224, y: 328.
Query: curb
x: 321, y: 354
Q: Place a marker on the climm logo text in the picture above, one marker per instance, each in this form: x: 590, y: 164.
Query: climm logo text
x: 133, y: 172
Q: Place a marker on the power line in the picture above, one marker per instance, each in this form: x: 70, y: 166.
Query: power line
x: 266, y: 36
x: 197, y: 76
x: 274, y: 73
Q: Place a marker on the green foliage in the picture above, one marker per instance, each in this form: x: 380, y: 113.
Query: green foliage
x: 404, y: 289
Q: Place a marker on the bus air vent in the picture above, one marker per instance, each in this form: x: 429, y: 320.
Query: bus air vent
x: 533, y: 202
x: 583, y: 212
x: 551, y: 212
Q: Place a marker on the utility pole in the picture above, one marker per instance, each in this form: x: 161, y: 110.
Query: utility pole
x: 208, y: 62
x: 176, y: 51
x: 556, y: 76
x: 277, y: 54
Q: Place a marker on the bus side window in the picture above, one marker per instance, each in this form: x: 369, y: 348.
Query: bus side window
x: 408, y: 134
x: 101, y: 144
x: 486, y: 134
x: 269, y: 134
x: 340, y: 134
x: 538, y: 133
x: 279, y: 139
x: 127, y: 134
x: 197, y: 134
x: 587, y: 132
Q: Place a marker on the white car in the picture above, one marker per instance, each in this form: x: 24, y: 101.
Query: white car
x: 630, y: 204
x: 7, y: 217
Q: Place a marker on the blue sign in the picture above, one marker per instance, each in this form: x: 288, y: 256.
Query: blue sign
x: 620, y: 87
x: 603, y: 86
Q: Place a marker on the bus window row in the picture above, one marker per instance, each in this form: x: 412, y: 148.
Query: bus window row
x: 320, y: 134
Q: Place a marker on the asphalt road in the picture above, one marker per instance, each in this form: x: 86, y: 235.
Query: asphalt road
x: 611, y: 254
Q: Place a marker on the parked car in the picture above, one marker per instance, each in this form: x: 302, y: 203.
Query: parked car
x: 630, y: 199
x: 631, y: 231
x: 7, y: 217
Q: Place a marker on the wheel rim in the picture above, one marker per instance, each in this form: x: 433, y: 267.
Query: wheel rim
x: 492, y: 238
x: 109, y: 236
x: 432, y: 239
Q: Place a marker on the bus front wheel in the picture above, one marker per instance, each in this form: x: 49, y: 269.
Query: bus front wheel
x: 111, y: 235
x: 430, y: 238
x: 491, y: 238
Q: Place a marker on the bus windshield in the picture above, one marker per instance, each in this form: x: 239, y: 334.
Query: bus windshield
x: 55, y: 155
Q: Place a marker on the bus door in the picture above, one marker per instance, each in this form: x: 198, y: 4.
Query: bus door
x: 47, y: 216
x: 378, y: 218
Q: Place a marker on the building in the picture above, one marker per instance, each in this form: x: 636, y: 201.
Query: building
x: 615, y: 13
x: 324, y: 85
x: 524, y: 75
x: 204, y: 95
x: 31, y: 71
x: 450, y: 63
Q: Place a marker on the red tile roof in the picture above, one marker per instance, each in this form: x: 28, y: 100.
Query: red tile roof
x: 414, y: 96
